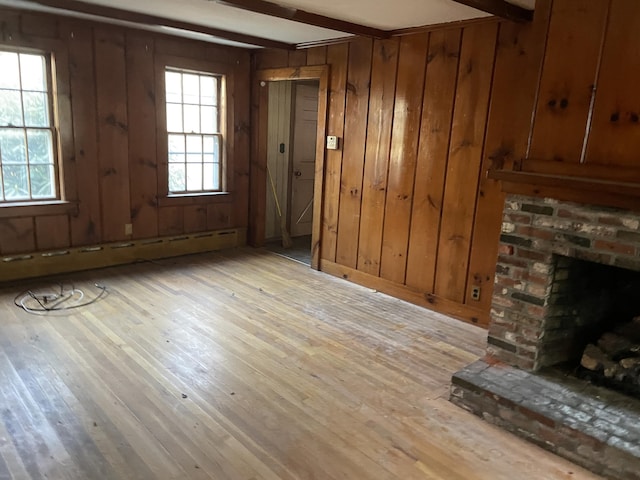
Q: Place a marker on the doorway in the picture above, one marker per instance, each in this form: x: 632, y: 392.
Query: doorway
x: 297, y: 182
x: 291, y: 154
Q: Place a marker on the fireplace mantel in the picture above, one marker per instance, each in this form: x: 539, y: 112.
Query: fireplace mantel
x: 603, y: 185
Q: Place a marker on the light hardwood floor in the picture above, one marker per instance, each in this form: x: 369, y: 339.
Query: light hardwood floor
x: 244, y: 365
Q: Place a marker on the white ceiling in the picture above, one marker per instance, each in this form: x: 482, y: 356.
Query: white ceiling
x: 386, y: 15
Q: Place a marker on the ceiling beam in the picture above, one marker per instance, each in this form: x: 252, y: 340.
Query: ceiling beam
x: 500, y: 8
x: 156, y: 21
x: 301, y: 16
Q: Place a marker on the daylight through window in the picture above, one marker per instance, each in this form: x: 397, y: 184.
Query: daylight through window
x: 27, y: 161
x: 194, y: 131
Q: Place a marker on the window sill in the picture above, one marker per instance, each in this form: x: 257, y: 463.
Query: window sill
x: 38, y: 209
x: 195, y: 199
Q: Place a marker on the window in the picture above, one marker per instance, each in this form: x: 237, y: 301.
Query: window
x: 194, y: 131
x: 27, y: 159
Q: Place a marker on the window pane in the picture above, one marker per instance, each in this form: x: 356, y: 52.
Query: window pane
x: 194, y: 144
x: 176, y: 158
x: 173, y: 87
x: 42, y: 181
x: 32, y: 69
x: 10, y: 108
x: 194, y: 177
x: 16, y: 182
x: 211, y: 176
x: 216, y: 149
x: 192, y: 119
x: 176, y: 144
x: 10, y: 77
x: 208, y: 120
x: 176, y: 177
x: 40, y: 149
x: 208, y: 143
x: 207, y: 90
x: 35, y: 109
x: 191, y: 86
x: 174, y: 117
x: 12, y: 146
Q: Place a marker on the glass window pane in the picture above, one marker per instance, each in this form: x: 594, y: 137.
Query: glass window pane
x: 176, y: 177
x: 191, y: 86
x: 211, y: 176
x: 9, y: 67
x: 216, y: 149
x: 32, y: 69
x: 194, y: 144
x: 16, y: 182
x: 207, y: 90
x: 173, y: 87
x: 194, y: 177
x: 35, y: 109
x: 176, y: 158
x: 176, y: 144
x: 42, y: 181
x: 10, y: 108
x: 40, y: 148
x: 192, y: 118
x: 12, y: 146
x: 208, y: 120
x: 208, y: 143
x: 174, y: 117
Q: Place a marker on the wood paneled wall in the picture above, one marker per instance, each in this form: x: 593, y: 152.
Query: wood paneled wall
x: 408, y: 208
x: 112, y: 136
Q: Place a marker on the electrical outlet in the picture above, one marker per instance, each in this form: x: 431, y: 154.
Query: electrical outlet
x: 475, y: 293
x: 128, y: 229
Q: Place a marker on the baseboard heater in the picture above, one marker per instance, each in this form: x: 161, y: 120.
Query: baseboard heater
x: 15, y: 267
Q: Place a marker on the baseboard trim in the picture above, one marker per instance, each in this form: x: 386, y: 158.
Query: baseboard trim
x: 460, y: 311
x: 17, y: 267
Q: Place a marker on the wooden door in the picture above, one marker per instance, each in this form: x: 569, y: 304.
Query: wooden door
x: 303, y: 158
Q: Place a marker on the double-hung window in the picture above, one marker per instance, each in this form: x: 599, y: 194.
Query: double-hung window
x: 27, y: 153
x: 193, y: 110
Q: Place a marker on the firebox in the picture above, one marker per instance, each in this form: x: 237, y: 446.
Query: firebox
x: 566, y: 274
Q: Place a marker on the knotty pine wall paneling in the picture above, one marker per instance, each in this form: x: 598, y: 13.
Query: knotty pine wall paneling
x: 377, y: 153
x: 108, y: 110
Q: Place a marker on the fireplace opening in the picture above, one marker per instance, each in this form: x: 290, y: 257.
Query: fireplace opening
x: 593, y: 323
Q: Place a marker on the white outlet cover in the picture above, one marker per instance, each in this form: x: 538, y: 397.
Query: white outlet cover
x: 332, y: 142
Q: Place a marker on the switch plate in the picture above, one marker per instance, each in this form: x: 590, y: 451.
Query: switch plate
x: 332, y: 142
x: 128, y: 229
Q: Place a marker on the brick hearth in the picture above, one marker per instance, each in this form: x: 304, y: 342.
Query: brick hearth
x: 564, y: 270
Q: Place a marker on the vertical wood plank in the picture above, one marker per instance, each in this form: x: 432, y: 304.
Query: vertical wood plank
x: 615, y: 131
x: 141, y: 98
x: 17, y: 235
x: 355, y: 134
x: 271, y: 58
x: 297, y: 58
x: 170, y: 221
x: 86, y: 226
x: 381, y: 105
x: 242, y: 140
x: 337, y: 57
x: 404, y: 148
x: 518, y: 60
x: 111, y: 87
x: 463, y: 170
x: 195, y: 218
x: 576, y: 33
x: 52, y: 232
x: 433, y: 154
x: 317, y: 55
x: 218, y: 216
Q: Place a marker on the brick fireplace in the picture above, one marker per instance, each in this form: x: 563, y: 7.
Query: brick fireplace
x: 565, y: 272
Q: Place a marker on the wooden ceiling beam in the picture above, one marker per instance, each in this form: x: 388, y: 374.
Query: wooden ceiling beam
x: 500, y: 8
x: 301, y: 16
x: 156, y: 21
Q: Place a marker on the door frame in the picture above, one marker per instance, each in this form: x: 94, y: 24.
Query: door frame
x: 258, y: 171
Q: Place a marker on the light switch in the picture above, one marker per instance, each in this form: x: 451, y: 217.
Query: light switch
x: 332, y: 142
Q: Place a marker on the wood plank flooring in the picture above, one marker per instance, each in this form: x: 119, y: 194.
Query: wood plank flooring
x: 244, y: 365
